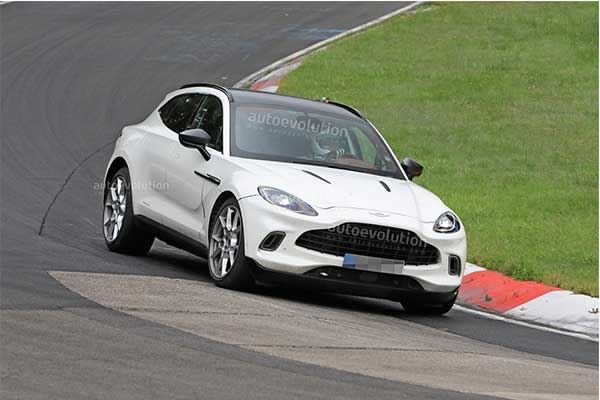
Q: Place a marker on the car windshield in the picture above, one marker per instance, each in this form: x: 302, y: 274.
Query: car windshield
x: 311, y: 137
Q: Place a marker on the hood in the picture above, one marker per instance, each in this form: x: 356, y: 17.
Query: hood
x: 324, y: 187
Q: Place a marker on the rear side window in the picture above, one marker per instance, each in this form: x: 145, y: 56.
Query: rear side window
x: 177, y: 114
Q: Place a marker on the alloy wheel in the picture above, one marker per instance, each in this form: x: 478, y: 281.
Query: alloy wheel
x: 115, y: 205
x: 224, y: 241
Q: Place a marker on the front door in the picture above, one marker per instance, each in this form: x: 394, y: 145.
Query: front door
x: 190, y: 178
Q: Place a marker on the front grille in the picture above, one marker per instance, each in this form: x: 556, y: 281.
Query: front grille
x: 371, y: 240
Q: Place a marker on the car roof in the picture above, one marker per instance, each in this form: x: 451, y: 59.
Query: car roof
x: 253, y: 97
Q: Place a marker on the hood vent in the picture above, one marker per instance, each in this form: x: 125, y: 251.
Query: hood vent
x: 316, y: 176
x: 386, y: 187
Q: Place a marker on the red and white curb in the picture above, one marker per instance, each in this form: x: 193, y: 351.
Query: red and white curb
x: 271, y: 81
x: 515, y: 301
x: 529, y: 301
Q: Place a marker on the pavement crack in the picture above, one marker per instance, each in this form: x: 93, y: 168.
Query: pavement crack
x: 68, y: 178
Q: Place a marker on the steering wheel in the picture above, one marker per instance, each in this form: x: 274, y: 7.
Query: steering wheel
x: 334, y: 155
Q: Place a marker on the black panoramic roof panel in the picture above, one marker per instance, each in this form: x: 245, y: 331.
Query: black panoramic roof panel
x: 242, y: 96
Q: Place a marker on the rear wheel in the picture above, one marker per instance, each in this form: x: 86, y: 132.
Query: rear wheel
x: 228, y: 265
x: 121, y: 233
x: 423, y: 308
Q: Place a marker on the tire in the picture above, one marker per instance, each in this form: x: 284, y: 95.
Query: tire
x: 226, y: 244
x: 128, y: 237
x: 419, y: 308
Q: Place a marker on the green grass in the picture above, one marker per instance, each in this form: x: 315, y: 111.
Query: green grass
x: 499, y: 101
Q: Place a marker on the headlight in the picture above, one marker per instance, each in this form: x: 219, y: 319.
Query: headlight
x: 286, y: 200
x: 447, y: 223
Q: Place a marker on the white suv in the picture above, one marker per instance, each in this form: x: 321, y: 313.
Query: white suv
x: 277, y: 188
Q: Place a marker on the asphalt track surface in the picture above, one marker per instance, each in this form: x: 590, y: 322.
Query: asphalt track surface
x: 80, y: 322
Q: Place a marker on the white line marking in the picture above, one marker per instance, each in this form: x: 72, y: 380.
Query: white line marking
x: 315, y: 46
x: 525, y: 324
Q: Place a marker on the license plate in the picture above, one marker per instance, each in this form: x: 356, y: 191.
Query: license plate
x: 373, y: 264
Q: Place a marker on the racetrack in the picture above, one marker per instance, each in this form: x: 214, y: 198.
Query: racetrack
x: 78, y: 321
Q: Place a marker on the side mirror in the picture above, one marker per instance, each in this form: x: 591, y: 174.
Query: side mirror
x: 411, y: 167
x: 196, y: 139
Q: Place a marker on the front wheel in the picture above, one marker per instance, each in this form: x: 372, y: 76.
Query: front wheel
x: 423, y: 308
x: 228, y: 265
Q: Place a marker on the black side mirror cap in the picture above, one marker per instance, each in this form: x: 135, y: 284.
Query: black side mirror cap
x: 412, y: 168
x: 196, y: 139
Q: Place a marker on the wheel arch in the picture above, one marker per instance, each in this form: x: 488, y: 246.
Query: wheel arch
x: 116, y: 164
x: 223, y: 196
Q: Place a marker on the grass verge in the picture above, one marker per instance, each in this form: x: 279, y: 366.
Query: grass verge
x: 499, y: 101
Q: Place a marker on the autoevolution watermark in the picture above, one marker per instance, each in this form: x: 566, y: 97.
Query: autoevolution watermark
x: 158, y: 186
x: 382, y: 234
x: 306, y: 125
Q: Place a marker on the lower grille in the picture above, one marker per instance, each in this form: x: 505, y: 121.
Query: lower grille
x: 371, y: 240
x: 338, y: 274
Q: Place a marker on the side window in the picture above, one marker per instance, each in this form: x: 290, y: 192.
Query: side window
x: 210, y: 118
x: 177, y: 113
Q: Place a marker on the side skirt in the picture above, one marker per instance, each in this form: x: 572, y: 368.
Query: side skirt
x: 172, y: 237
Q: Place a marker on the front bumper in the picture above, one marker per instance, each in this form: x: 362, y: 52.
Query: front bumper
x: 356, y: 283
x: 262, y: 218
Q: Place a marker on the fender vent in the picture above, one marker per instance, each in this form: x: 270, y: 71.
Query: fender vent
x: 385, y: 186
